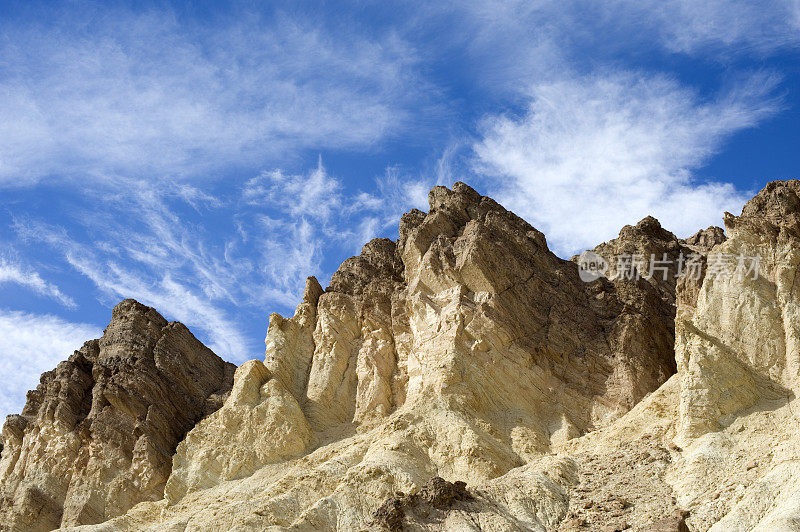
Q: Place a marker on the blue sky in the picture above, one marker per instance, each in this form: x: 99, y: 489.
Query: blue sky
x: 204, y: 158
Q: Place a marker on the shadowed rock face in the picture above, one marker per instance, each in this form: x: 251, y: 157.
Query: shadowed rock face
x: 98, y: 434
x: 638, y: 314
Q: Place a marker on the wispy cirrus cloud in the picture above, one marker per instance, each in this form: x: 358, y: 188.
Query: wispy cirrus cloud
x: 169, y: 118
x: 148, y: 93
x: 560, y: 29
x: 591, y: 154
x: 30, y: 345
x: 13, y: 272
x: 139, y: 246
x: 716, y: 25
x: 205, y: 258
x: 314, y: 195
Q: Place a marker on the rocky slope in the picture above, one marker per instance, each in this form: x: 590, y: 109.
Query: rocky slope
x: 465, y: 378
x: 465, y: 350
x: 98, y: 434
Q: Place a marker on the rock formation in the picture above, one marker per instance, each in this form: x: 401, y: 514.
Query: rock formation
x: 465, y: 378
x: 98, y: 434
x: 738, y: 356
x: 466, y: 350
x: 705, y: 239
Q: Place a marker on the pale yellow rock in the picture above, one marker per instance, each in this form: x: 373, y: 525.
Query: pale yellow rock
x: 462, y: 352
x: 737, y: 356
x: 465, y: 350
x: 259, y: 424
x: 290, y: 344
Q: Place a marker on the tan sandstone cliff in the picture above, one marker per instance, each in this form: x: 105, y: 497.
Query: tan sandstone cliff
x: 465, y: 350
x: 465, y: 378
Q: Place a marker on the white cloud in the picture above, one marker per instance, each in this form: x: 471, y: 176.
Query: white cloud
x: 595, y: 153
x: 30, y: 345
x: 711, y: 28
x: 288, y: 251
x: 176, y: 300
x: 689, y: 27
x: 141, y: 248
x: 316, y: 216
x: 509, y: 42
x: 398, y: 191
x: 315, y: 195
x: 204, y: 259
x: 16, y: 273
x: 149, y: 94
x: 246, y: 250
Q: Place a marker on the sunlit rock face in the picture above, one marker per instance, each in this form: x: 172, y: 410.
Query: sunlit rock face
x: 744, y: 334
x: 465, y: 378
x: 738, y: 355
x: 465, y: 349
x: 98, y: 434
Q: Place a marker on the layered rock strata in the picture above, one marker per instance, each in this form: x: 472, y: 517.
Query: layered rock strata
x: 465, y: 378
x: 464, y: 350
x: 738, y: 355
x: 98, y: 434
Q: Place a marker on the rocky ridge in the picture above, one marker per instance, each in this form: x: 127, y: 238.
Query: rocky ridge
x: 465, y: 378
x: 465, y: 350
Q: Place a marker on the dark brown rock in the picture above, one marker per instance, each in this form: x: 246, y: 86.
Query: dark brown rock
x: 437, y: 494
x: 98, y: 434
x: 391, y: 513
x: 705, y: 240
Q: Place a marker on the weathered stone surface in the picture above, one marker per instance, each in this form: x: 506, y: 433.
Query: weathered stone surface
x: 640, y: 306
x: 674, y: 523
x: 436, y: 494
x: 97, y: 435
x: 261, y: 422
x: 745, y: 325
x: 465, y: 350
x: 738, y: 355
x: 705, y: 239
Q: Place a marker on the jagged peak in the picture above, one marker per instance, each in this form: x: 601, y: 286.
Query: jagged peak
x: 775, y: 209
x: 451, y: 209
x: 130, y: 397
x: 648, y: 227
x: 458, y: 198
x: 312, y: 291
x: 128, y: 309
x: 705, y: 239
x: 464, y: 351
x: 377, y: 266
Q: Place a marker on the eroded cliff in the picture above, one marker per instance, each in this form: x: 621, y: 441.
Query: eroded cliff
x: 465, y: 378
x: 466, y: 350
x: 97, y: 436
